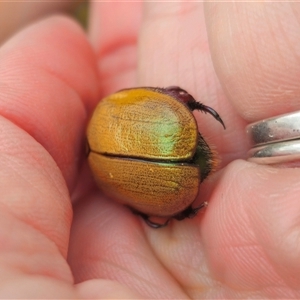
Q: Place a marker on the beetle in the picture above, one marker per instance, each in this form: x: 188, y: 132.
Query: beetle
x: 145, y: 151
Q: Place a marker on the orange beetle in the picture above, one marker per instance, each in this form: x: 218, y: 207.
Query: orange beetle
x: 146, y: 151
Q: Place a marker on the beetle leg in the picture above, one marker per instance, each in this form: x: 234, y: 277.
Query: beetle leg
x: 190, y: 212
x: 193, y: 104
x: 148, y: 221
x: 183, y: 96
x: 155, y: 225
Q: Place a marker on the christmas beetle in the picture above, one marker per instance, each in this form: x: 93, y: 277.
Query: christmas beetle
x: 145, y: 151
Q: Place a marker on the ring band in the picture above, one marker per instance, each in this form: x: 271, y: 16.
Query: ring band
x: 275, y: 153
x: 275, y: 140
x: 277, y: 129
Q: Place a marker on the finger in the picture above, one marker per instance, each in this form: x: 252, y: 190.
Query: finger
x: 174, y: 51
x: 255, y: 57
x: 255, y: 47
x: 105, y: 289
x: 106, y: 239
x: 46, y: 89
x: 113, y: 31
x: 251, y: 231
x: 107, y: 242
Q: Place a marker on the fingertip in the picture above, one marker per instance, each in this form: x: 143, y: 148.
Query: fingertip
x: 254, y: 48
x: 252, y: 210
x: 49, y: 84
x: 113, y: 31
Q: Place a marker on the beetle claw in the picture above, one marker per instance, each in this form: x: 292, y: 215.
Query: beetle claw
x: 189, y: 212
x: 148, y: 221
x: 155, y: 225
x: 183, y: 96
x: 194, y: 105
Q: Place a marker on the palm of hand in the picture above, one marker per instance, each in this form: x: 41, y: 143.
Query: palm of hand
x: 243, y: 245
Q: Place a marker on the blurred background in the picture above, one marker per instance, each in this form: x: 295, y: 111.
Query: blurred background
x: 15, y: 15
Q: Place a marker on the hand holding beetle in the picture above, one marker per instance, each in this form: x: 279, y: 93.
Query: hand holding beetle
x: 245, y: 244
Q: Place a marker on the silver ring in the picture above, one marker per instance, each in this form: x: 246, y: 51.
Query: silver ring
x: 275, y: 153
x: 275, y: 140
x: 281, y: 128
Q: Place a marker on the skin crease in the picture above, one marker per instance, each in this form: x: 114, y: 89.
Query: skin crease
x: 243, y: 60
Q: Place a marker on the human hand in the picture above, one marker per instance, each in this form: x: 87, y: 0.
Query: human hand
x: 243, y: 245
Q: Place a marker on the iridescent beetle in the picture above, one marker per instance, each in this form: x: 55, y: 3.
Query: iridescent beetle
x: 146, y: 151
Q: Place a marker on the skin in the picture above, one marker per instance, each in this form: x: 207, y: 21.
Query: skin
x: 16, y: 14
x: 61, y: 238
